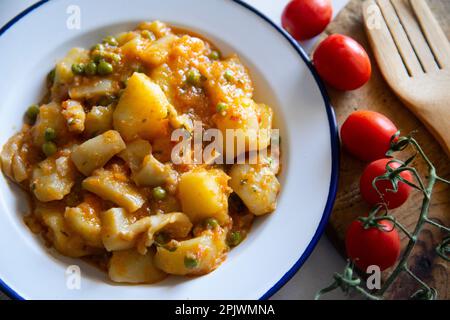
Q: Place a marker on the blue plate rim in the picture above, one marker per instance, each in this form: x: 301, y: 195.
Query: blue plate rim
x: 335, y: 150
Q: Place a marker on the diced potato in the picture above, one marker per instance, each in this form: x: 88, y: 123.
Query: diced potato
x: 180, y: 121
x: 271, y: 159
x: 157, y: 52
x: 220, y: 89
x: 142, y: 109
x: 196, y: 256
x: 256, y: 185
x: 189, y: 47
x: 75, y: 116
x: 251, y: 124
x: 49, y: 117
x: 19, y: 168
x: 204, y: 194
x: 63, y: 70
x: 53, y: 178
x: 129, y: 266
x: 12, y: 160
x: 99, y: 120
x: 158, y: 28
x: 96, y: 152
x: 116, y: 189
x: 162, y: 76
x: 124, y: 37
x: 134, y: 47
x: 100, y: 88
x: 117, y: 231
x: 10, y: 148
x: 63, y: 239
x: 85, y: 221
x: 265, y: 114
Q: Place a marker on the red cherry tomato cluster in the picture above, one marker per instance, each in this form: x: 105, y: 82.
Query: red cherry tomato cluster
x: 367, y: 135
x: 344, y: 64
x: 340, y: 61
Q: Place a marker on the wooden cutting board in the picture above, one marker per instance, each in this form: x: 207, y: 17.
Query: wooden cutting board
x: 377, y: 96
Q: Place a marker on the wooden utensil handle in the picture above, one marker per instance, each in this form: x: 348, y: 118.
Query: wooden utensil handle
x: 437, y: 120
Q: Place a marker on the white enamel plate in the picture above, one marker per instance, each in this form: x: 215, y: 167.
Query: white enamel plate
x: 277, y: 245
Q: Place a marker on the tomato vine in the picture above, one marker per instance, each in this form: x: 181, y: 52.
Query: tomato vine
x: 348, y: 281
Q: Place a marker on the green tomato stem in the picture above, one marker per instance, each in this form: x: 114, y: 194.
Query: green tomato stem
x: 402, y: 265
x: 330, y: 288
x: 346, y: 281
x: 437, y: 225
x: 442, y: 180
x: 396, y: 223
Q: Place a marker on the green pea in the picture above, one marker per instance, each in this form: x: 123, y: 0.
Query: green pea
x: 229, y: 75
x: 159, y: 193
x: 106, y: 100
x: 221, y: 107
x: 193, y: 77
x: 234, y: 238
x: 98, y: 52
x: 49, y: 148
x: 98, y: 47
x: 32, y: 113
x: 91, y: 68
x: 111, y: 41
x: 190, y: 262
x: 78, y: 68
x: 214, y: 55
x: 211, y: 223
x: 115, y: 57
x: 104, y: 68
x: 98, y: 56
x: 51, y: 75
x: 50, y: 134
x: 148, y: 35
x: 161, y: 238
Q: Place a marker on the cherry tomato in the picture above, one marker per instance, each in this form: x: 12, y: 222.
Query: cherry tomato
x: 367, y: 134
x: 342, y: 62
x: 305, y: 19
x: 372, y: 246
x: 391, y: 198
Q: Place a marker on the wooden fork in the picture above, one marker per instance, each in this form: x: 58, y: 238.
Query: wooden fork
x: 413, y: 54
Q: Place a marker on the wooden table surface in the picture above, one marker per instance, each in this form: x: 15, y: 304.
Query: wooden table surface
x: 377, y: 96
